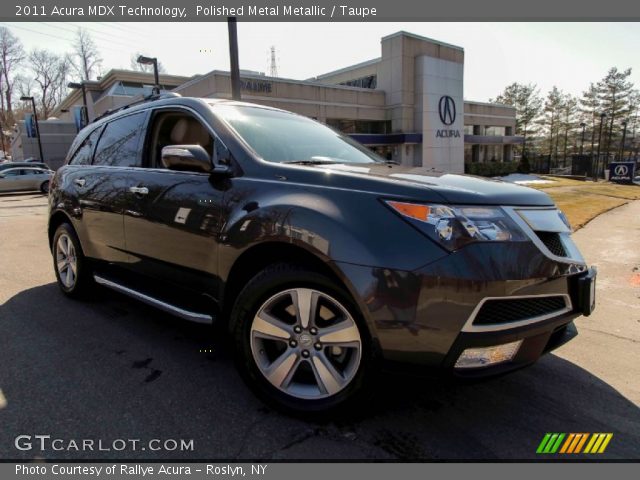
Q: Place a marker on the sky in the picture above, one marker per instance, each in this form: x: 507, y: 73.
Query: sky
x: 567, y: 55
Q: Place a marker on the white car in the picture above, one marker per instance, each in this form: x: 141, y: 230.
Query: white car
x: 25, y: 178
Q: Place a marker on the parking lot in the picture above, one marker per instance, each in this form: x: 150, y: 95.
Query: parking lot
x: 112, y: 368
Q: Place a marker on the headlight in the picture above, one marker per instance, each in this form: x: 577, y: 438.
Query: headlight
x: 454, y: 227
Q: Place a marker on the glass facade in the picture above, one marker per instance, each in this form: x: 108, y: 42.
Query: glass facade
x: 130, y: 89
x: 370, y: 81
x: 490, y: 131
x: 491, y: 153
x: 360, y: 126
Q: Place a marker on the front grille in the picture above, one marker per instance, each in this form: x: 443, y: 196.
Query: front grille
x: 498, y: 311
x: 553, y: 242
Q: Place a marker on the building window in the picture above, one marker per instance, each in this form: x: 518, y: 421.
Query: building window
x: 468, y: 153
x: 370, y: 81
x: 491, y: 153
x: 360, y: 126
x: 130, y: 89
x: 468, y: 129
x: 491, y: 131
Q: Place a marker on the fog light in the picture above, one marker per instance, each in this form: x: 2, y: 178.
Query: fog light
x: 485, y: 356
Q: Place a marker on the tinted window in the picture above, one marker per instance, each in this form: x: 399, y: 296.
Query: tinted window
x: 118, y: 145
x: 11, y: 173
x: 83, y: 154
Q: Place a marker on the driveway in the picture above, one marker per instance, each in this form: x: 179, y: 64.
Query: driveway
x: 112, y: 368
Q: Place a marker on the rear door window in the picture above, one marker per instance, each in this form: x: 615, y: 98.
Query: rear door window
x: 84, y: 154
x: 119, y: 144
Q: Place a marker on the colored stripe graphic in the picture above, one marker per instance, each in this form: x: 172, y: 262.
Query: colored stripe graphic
x: 551, y: 443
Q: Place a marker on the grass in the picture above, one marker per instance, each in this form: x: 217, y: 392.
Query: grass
x: 583, y: 201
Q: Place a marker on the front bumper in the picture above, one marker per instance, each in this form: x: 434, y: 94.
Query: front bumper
x: 421, y: 318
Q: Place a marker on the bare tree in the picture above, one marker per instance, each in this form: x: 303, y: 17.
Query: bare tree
x: 11, y: 55
x: 86, y: 58
x: 50, y: 73
x: 139, y: 67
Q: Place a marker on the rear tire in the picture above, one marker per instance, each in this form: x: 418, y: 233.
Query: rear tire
x: 44, y: 188
x: 301, y: 363
x: 69, y: 263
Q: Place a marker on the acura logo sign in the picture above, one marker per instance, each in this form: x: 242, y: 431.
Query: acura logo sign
x: 447, y: 110
x: 621, y: 170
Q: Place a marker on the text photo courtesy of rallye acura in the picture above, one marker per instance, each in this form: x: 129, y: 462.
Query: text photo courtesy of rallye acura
x: 323, y: 261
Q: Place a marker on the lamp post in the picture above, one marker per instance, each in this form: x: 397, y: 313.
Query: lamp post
x: 142, y: 60
x: 624, y: 137
x: 233, y: 56
x: 583, y: 125
x: 35, y: 117
x: 595, y: 171
x: 81, y: 85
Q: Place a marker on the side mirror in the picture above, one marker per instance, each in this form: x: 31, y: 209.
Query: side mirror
x: 191, y: 158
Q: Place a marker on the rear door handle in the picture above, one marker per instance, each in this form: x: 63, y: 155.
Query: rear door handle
x: 139, y: 190
x: 80, y: 182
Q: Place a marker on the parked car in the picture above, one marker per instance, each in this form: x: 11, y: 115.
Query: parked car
x: 24, y: 179
x: 323, y: 261
x: 28, y: 164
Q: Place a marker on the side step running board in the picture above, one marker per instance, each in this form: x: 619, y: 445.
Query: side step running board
x: 154, y: 302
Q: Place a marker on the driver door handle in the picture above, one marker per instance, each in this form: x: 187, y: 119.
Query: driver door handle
x: 139, y: 190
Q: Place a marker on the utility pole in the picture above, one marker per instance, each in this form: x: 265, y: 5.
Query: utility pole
x: 233, y: 56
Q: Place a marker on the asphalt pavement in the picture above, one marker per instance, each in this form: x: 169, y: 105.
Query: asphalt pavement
x: 114, y: 370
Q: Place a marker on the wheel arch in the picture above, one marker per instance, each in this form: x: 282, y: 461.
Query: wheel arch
x: 260, y: 256
x: 57, y: 219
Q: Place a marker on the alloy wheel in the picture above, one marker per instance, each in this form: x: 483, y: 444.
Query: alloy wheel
x: 66, y: 261
x: 306, y: 343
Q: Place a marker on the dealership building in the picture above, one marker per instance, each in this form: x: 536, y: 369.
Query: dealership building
x: 407, y: 104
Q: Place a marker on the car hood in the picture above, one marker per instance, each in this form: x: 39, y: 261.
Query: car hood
x: 453, y: 188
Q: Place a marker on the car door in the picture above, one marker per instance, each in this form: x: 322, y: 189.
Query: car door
x: 32, y: 178
x: 101, y: 185
x: 173, y: 218
x: 10, y: 180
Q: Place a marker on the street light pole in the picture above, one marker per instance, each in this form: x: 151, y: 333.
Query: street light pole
x: 156, y: 76
x: 583, y: 125
x: 35, y: 117
x: 624, y: 137
x: 233, y: 57
x: 595, y: 172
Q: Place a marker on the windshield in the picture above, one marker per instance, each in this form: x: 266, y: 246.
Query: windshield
x: 288, y: 138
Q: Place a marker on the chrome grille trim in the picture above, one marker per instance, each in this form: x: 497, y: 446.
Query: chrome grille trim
x: 470, y: 327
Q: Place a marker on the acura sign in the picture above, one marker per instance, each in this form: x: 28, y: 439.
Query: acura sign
x: 447, y: 112
x: 622, y: 172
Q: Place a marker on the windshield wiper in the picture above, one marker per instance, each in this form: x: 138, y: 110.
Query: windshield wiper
x: 310, y: 162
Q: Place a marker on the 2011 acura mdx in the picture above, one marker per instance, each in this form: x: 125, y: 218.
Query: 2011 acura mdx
x: 321, y: 258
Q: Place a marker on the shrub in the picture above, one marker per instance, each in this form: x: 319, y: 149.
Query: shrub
x: 491, y: 169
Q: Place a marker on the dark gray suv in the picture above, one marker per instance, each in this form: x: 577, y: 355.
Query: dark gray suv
x: 322, y: 260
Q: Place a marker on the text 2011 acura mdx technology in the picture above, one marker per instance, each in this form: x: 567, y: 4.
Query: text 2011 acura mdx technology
x: 323, y: 260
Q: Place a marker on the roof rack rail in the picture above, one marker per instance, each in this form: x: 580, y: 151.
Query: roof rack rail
x: 148, y: 98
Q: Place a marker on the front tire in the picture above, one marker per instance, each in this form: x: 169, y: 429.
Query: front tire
x: 69, y: 263
x: 300, y: 342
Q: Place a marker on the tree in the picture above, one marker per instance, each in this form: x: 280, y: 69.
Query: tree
x: 553, y: 106
x: 568, y: 122
x: 139, y: 67
x: 528, y: 104
x: 590, y: 110
x: 11, y: 56
x: 613, y: 92
x: 50, y: 73
x: 86, y: 59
